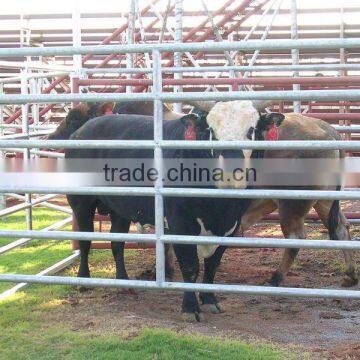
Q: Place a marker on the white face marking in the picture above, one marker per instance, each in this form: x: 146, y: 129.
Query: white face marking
x: 232, y: 120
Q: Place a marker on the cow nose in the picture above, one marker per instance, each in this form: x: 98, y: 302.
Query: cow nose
x: 232, y: 154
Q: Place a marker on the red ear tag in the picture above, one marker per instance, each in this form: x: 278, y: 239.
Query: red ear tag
x: 273, y: 133
x: 108, y: 110
x: 190, y: 133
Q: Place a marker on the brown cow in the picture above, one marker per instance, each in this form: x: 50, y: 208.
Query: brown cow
x: 293, y: 212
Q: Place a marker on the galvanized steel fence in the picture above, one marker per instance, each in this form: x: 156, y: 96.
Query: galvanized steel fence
x: 158, y: 144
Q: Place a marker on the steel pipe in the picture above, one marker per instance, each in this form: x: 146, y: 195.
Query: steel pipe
x: 192, y: 192
x: 270, y: 68
x: 177, y: 286
x: 305, y: 44
x: 278, y: 81
x: 181, y: 144
x: 183, y: 239
x: 66, y: 235
x: 327, y: 95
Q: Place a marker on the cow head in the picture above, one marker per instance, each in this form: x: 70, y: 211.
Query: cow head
x: 196, y: 127
x: 77, y: 117
x: 239, y: 121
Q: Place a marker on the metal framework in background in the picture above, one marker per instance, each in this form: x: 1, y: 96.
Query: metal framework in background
x: 158, y: 144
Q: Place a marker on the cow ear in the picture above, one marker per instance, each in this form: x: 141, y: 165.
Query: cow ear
x: 75, y: 119
x: 268, y: 123
x: 105, y: 108
x: 274, y: 119
x: 190, y: 120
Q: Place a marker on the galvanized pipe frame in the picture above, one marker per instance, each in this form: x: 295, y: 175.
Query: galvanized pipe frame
x: 192, y: 192
x: 59, y: 80
x: 327, y: 95
x: 277, y: 68
x: 255, y: 242
x: 181, y: 144
x: 159, y: 191
x: 277, y: 81
x: 304, y: 44
x: 177, y: 286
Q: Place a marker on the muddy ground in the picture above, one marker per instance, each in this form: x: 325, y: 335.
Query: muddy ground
x: 326, y: 328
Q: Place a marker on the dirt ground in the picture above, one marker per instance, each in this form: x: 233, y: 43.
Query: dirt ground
x: 326, y: 328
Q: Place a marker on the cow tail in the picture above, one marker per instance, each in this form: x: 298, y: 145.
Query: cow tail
x: 334, y: 218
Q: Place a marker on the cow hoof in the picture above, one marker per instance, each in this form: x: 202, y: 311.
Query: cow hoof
x: 132, y: 292
x: 192, y: 317
x: 83, y: 289
x: 169, y: 277
x: 212, y: 308
x: 275, y: 279
x: 349, y: 281
x: 169, y: 274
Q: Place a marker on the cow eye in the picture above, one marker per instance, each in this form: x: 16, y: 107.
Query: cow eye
x: 250, y: 133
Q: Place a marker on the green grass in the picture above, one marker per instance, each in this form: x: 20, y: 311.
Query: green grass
x: 35, y: 255
x: 32, y: 326
x: 42, y: 218
x: 27, y: 333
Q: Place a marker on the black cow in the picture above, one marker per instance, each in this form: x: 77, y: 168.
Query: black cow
x: 185, y: 216
x: 82, y: 113
x: 144, y: 108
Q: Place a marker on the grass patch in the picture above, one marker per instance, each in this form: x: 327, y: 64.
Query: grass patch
x: 35, y: 255
x: 27, y: 334
x: 150, y: 344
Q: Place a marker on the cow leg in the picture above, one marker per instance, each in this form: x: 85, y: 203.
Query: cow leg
x: 169, y: 261
x: 84, y: 213
x: 181, y: 223
x: 189, y: 265
x: 119, y: 225
x: 337, y: 224
x: 292, y: 216
x: 256, y: 211
x: 209, y: 300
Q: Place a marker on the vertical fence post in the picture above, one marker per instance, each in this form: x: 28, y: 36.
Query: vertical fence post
x: 178, y: 55
x: 76, y: 37
x: 26, y: 153
x: 158, y: 157
x: 2, y: 153
x: 33, y: 83
x: 130, y: 40
x: 295, y: 52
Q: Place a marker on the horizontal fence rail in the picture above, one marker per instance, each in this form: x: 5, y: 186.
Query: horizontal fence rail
x: 183, y: 47
x: 191, y: 192
x: 186, y: 239
x: 66, y: 235
x: 177, y: 286
x: 277, y: 68
x: 158, y: 191
x: 306, y: 95
x: 181, y: 144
